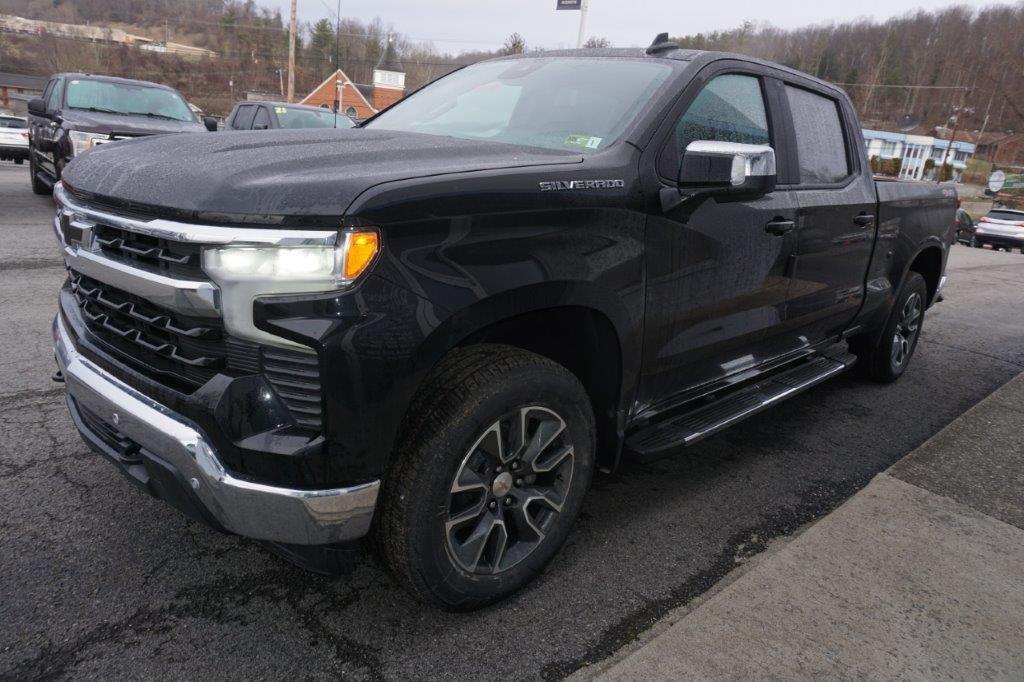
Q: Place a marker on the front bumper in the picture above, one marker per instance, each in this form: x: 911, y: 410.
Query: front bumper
x: 174, y: 461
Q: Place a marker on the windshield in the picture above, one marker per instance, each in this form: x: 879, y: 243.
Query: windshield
x: 295, y: 117
x: 582, y: 105
x: 127, y: 99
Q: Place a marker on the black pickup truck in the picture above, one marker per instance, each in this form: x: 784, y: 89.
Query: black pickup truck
x: 80, y: 111
x: 433, y: 328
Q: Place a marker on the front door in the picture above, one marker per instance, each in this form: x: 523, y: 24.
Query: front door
x: 716, y: 277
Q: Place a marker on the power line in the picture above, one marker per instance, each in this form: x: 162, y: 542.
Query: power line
x: 912, y: 87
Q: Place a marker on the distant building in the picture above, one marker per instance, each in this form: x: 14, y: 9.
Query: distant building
x: 914, y: 151
x: 359, y: 101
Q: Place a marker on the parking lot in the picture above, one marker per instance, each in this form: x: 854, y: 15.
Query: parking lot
x: 96, y: 576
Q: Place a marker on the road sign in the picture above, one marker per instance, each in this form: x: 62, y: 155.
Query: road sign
x: 569, y: 4
x: 996, y: 181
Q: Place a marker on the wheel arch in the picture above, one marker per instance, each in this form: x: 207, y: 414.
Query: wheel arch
x: 591, y: 335
x: 927, y: 263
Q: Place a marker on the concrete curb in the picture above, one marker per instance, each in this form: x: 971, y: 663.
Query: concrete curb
x: 919, y: 574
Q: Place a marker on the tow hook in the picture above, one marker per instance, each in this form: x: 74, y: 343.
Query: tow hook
x: 58, y: 377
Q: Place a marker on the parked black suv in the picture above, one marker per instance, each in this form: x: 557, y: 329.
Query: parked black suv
x: 273, y: 115
x: 436, y: 327
x: 79, y: 111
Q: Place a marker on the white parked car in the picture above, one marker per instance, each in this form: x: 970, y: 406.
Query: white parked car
x: 1002, y: 228
x: 13, y: 139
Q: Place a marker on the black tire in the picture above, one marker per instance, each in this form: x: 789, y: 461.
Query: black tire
x: 452, y: 431
x: 975, y: 243
x: 19, y: 161
x: 887, y: 359
x: 38, y: 186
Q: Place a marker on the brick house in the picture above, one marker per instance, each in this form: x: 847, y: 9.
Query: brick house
x: 359, y: 101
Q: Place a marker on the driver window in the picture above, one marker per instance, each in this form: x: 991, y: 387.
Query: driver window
x: 54, y: 99
x: 262, y: 119
x: 729, y: 109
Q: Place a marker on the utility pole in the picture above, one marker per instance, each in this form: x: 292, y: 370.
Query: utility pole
x: 583, y: 24
x: 291, y: 55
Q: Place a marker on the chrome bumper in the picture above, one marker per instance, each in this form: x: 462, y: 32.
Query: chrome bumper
x: 263, y: 512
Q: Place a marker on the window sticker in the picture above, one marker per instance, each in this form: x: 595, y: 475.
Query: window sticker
x: 583, y: 141
x: 280, y: 110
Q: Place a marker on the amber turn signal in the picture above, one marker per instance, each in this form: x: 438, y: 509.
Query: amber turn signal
x: 360, y: 248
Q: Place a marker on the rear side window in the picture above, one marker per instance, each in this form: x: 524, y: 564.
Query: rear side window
x: 729, y: 109
x: 243, y: 117
x: 819, y: 137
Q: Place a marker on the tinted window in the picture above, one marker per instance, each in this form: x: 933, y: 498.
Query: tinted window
x: 243, y: 117
x: 12, y: 123
x: 578, y: 105
x: 729, y: 109
x: 1014, y: 216
x: 819, y: 137
x: 262, y: 118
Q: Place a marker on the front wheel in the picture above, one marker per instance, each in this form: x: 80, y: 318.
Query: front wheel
x: 887, y: 359
x: 19, y: 161
x: 975, y: 243
x: 490, y: 474
x: 38, y: 186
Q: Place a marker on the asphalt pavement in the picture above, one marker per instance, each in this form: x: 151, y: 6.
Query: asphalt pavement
x: 97, y: 580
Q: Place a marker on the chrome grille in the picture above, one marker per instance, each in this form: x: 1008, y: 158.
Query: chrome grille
x: 187, y: 349
x: 168, y: 257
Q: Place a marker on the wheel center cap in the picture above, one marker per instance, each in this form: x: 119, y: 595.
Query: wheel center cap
x: 502, y: 484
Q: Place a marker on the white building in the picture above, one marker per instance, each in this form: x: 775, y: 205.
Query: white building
x: 914, y: 152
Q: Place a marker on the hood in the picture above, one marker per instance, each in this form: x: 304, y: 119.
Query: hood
x: 97, y: 122
x: 280, y: 172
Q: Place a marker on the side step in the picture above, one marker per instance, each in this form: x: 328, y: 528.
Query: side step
x: 697, y: 424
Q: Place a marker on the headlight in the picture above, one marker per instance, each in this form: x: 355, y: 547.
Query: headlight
x: 83, y: 142
x: 244, y: 273
x: 327, y: 266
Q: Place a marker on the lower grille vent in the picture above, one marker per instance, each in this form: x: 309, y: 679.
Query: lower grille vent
x: 295, y: 375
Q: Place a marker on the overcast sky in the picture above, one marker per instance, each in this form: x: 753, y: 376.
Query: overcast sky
x: 464, y: 25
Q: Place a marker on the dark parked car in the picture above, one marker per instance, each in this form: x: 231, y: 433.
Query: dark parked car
x: 437, y: 327
x: 273, y: 115
x: 964, y: 227
x: 80, y: 111
x: 1000, y: 228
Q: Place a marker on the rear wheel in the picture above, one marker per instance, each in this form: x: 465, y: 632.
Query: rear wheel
x: 491, y: 473
x: 888, y: 358
x: 19, y: 161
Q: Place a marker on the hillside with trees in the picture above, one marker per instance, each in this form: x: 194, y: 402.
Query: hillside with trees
x: 953, y: 58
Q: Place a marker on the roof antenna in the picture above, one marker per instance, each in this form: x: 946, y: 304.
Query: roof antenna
x: 662, y: 44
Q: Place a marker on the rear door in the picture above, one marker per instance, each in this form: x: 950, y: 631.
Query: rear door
x: 836, y: 228
x: 716, y: 277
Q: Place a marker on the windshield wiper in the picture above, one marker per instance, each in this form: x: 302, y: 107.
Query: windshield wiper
x: 102, y: 110
x: 152, y: 115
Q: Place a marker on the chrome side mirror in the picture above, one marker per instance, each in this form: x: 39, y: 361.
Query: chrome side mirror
x: 731, y: 166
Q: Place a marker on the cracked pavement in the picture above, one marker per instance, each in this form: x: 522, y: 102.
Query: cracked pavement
x: 98, y: 580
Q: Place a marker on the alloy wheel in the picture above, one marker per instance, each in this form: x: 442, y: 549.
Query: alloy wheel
x: 907, y: 330
x: 508, y: 490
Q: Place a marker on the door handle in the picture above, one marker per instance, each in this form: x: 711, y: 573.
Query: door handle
x: 864, y: 220
x: 779, y: 226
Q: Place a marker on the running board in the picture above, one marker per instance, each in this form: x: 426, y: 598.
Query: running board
x: 690, y: 427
